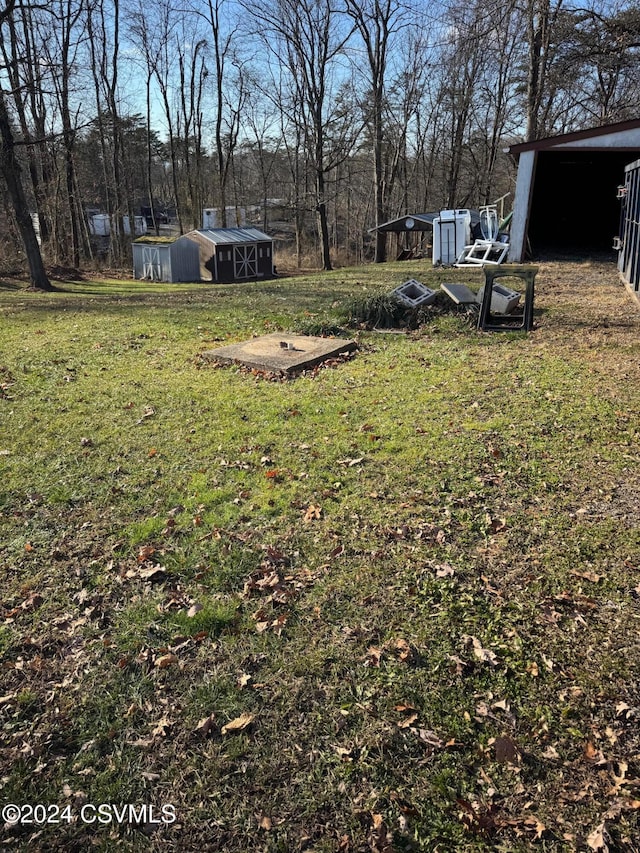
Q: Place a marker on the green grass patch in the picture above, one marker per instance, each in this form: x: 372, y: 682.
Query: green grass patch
x: 387, y: 604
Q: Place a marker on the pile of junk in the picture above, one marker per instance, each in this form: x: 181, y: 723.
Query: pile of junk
x: 464, y: 238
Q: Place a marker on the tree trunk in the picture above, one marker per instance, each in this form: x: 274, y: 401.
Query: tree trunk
x: 12, y: 173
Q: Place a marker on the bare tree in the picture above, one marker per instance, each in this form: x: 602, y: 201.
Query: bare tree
x: 306, y: 36
x: 376, y: 22
x: 540, y: 18
x: 12, y: 172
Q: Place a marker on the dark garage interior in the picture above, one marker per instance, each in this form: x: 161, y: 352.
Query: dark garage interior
x: 574, y: 208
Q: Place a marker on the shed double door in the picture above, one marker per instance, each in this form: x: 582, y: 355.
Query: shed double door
x: 245, y: 261
x: 629, y: 252
x: 151, y: 266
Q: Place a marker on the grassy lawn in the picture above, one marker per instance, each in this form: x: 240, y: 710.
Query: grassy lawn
x: 389, y: 605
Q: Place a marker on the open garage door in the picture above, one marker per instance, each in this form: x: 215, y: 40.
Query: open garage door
x: 574, y: 208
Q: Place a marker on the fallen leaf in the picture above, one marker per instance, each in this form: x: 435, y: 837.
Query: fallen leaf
x: 265, y: 823
x: 596, y: 839
x: 494, y: 525
x: 148, y: 573
x: 379, y: 839
x: 403, y: 707
x: 166, y: 660
x: 588, y: 576
x: 506, y: 751
x: 312, y: 513
x: 430, y: 738
x: 205, y: 726
x: 407, y: 721
x: 151, y: 777
x: 485, y: 655
x: 238, y: 724
x: 404, y: 651
x: 162, y: 727
x: 149, y: 412
x: 345, y: 753
x: 194, y: 609
x: 145, y: 553
x: 374, y: 656
x: 551, y: 753
x: 592, y: 754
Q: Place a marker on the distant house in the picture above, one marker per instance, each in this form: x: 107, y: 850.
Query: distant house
x: 166, y: 259
x: 233, y: 254
x: 567, y: 190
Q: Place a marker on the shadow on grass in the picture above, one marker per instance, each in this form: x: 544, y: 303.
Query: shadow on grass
x: 15, y: 286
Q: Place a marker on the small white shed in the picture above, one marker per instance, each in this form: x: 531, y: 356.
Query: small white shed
x: 166, y: 259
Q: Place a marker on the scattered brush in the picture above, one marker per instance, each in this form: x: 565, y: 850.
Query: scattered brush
x: 382, y: 310
x: 329, y: 328
x: 387, y: 311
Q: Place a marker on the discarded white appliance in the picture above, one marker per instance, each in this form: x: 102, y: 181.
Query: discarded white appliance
x: 414, y: 293
x: 451, y: 233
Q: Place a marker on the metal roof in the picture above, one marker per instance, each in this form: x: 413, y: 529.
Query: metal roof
x: 234, y: 235
x: 621, y: 127
x: 421, y: 222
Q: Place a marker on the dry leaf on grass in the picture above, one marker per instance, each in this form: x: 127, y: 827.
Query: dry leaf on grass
x: 312, y: 513
x: 205, y: 726
x: 588, y: 576
x: 407, y: 721
x: 238, y: 724
x: 374, y: 656
x: 485, y: 655
x: 507, y: 751
x: 404, y: 651
x: 380, y: 840
x: 597, y: 841
x: 166, y: 660
x: 162, y: 727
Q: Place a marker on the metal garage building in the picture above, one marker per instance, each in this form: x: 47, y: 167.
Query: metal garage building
x: 566, y: 196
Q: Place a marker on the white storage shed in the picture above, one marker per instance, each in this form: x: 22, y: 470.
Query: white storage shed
x: 166, y: 259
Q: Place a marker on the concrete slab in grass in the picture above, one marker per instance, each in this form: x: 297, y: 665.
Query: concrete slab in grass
x: 281, y: 353
x: 460, y: 293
